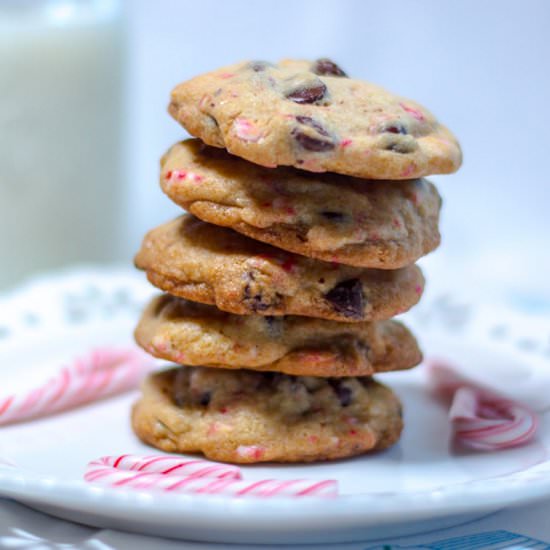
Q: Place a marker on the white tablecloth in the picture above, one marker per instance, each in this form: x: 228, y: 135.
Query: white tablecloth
x: 518, y: 528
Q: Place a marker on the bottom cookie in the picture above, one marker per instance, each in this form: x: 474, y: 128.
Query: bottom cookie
x: 245, y: 416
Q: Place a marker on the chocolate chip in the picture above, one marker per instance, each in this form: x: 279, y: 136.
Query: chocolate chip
x: 259, y: 66
x: 308, y: 121
x: 311, y: 135
x: 327, y: 67
x: 337, y: 217
x: 255, y: 297
x: 204, y: 398
x: 344, y: 394
x: 254, y: 301
x: 312, y: 144
x: 347, y: 298
x: 307, y: 94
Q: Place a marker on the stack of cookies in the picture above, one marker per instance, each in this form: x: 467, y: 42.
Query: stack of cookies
x: 307, y: 210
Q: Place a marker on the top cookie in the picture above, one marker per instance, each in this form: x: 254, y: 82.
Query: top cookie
x: 312, y: 116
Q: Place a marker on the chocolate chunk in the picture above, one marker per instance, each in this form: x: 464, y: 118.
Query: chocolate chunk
x: 204, y: 398
x: 307, y: 94
x: 311, y: 135
x: 308, y: 121
x: 255, y: 298
x: 254, y: 301
x: 337, y: 217
x: 344, y: 394
x: 327, y: 67
x: 312, y: 144
x: 259, y: 66
x: 347, y: 298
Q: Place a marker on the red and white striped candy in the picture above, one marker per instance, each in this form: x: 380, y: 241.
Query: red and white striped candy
x: 482, y: 419
x: 101, y: 373
x: 172, y: 474
x: 167, y: 465
x: 114, y: 477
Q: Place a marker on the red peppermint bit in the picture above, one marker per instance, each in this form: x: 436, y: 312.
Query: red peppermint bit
x: 168, y: 174
x: 227, y: 75
x: 310, y: 357
x: 176, y: 174
x: 418, y: 289
x: 288, y: 264
x: 352, y: 432
x: 313, y: 439
x: 197, y: 178
x: 396, y: 222
x: 251, y: 451
x: 408, y: 171
x: 345, y: 142
x: 412, y: 111
x: 290, y: 210
x: 223, y: 410
x: 212, y: 429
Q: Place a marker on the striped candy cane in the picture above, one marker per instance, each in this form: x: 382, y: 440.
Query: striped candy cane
x: 172, y: 474
x: 101, y: 373
x: 113, y: 477
x: 167, y: 465
x: 482, y: 419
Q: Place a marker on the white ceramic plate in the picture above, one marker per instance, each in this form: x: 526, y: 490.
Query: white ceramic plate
x: 421, y: 478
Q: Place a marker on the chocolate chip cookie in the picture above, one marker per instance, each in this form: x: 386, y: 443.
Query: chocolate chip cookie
x: 366, y: 223
x: 214, y: 265
x: 312, y: 116
x: 245, y: 416
x: 190, y: 333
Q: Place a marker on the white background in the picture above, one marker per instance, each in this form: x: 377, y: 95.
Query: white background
x: 481, y: 67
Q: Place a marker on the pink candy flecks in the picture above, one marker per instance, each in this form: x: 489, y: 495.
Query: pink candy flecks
x: 409, y: 170
x: 180, y: 175
x: 415, y: 113
x: 247, y: 130
x: 251, y: 451
x: 345, y: 142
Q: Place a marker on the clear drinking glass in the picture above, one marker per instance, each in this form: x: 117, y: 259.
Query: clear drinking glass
x: 61, y: 124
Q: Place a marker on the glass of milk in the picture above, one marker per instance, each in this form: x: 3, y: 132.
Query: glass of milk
x: 61, y: 125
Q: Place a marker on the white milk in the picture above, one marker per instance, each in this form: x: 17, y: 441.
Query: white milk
x: 61, y: 78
